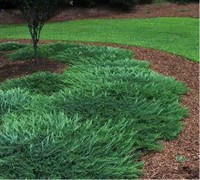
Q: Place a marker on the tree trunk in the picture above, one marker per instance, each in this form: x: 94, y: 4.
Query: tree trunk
x: 35, y: 30
x: 35, y: 42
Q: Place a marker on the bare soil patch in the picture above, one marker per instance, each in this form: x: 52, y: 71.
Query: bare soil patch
x: 139, y: 11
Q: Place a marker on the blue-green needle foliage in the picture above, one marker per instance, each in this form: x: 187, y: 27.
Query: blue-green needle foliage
x: 9, y: 46
x: 40, y: 83
x: 94, y: 121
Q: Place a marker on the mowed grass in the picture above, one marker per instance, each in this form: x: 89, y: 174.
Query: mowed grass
x: 175, y: 35
x: 94, y: 121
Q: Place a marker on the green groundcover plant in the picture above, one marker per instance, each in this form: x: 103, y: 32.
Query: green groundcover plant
x: 9, y: 46
x: 95, y: 120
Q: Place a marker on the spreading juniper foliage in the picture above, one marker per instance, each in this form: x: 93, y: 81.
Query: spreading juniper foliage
x: 13, y: 100
x: 9, y: 46
x: 41, y: 83
x: 109, y: 110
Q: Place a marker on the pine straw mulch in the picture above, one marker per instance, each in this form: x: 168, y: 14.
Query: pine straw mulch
x: 139, y: 11
x: 163, y: 165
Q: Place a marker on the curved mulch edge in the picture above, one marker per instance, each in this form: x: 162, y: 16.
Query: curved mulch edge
x: 163, y: 165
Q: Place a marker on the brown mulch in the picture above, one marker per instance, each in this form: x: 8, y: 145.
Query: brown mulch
x: 163, y: 165
x: 139, y: 11
x: 9, y: 70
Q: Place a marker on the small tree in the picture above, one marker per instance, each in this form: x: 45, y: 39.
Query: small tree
x: 36, y: 13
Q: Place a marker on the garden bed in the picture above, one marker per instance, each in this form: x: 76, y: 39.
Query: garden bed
x: 186, y: 71
x: 158, y: 165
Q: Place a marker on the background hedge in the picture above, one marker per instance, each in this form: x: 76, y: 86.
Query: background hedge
x: 122, y: 4
x: 125, y: 4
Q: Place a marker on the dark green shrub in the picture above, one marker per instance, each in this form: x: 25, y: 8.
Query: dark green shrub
x: 123, y: 4
x: 8, y: 4
x: 182, y: 1
x: 145, y: 1
x: 11, y: 4
x: 41, y: 82
x: 64, y: 3
x: 86, y: 3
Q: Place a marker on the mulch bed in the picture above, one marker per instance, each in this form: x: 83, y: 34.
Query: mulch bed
x: 163, y: 165
x: 10, y: 70
x: 158, y: 165
x: 139, y: 11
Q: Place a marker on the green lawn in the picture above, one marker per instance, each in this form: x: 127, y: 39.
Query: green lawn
x: 175, y: 35
x: 94, y: 121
